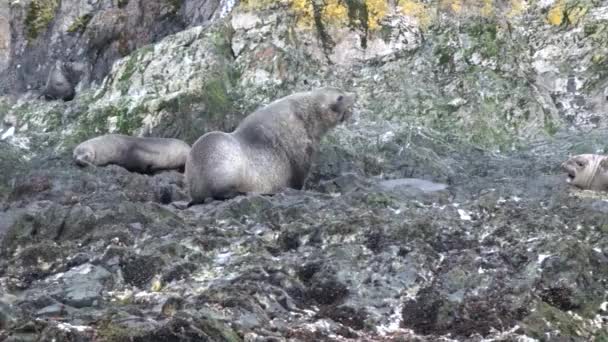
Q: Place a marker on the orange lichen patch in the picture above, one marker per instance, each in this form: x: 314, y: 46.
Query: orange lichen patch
x: 556, y: 13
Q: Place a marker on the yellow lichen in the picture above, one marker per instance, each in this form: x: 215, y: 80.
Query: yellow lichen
x: 556, y: 13
x: 487, y: 9
x: 376, y: 10
x: 335, y: 13
x: 575, y: 14
x: 517, y: 8
x: 304, y: 10
x: 454, y: 5
x: 256, y: 4
x: 417, y: 10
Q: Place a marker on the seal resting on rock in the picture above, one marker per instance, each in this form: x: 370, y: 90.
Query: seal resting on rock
x: 143, y: 155
x: 58, y: 84
x: 587, y: 171
x: 271, y: 149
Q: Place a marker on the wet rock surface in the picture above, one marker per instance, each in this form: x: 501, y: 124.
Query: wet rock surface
x: 499, y: 255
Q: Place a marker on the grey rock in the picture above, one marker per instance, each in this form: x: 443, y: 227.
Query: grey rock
x: 82, y: 286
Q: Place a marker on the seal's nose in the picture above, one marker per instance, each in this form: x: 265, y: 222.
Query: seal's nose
x: 79, y: 160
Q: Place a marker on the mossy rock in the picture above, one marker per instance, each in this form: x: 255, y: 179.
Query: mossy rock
x: 80, y: 24
x: 12, y: 164
x: 545, y: 318
x: 39, y: 15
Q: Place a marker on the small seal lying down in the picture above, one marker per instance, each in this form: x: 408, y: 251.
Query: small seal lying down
x: 587, y: 171
x: 270, y: 150
x: 143, y: 155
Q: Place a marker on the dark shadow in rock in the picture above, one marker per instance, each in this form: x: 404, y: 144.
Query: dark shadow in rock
x: 344, y: 314
x: 139, y: 270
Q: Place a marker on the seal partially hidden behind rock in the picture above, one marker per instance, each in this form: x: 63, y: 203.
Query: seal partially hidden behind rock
x: 144, y: 155
x: 270, y: 150
x: 58, y: 84
x: 587, y: 171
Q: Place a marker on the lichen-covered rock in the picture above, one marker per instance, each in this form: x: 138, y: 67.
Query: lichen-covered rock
x: 94, y: 34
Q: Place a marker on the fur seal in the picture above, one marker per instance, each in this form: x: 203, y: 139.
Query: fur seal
x: 143, y: 155
x: 58, y: 84
x: 587, y: 171
x: 271, y: 149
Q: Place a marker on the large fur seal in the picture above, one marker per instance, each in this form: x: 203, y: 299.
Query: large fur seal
x: 270, y: 149
x: 587, y: 171
x: 58, y: 84
x: 144, y: 155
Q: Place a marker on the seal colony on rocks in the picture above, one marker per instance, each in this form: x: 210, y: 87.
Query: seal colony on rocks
x: 587, y: 171
x: 271, y: 149
x: 136, y: 154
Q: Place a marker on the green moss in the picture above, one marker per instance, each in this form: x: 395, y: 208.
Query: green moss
x: 545, y: 318
x: 444, y: 54
x: 129, y: 121
x: 380, y: 199
x: 486, y: 42
x: 215, y: 95
x: 11, y: 164
x: 53, y: 120
x: 222, y: 40
x: 601, y: 336
x: 110, y: 332
x: 590, y: 28
x: 550, y: 126
x: 95, y: 122
x: 125, y: 77
x: 39, y: 15
x: 80, y: 24
x: 385, y: 33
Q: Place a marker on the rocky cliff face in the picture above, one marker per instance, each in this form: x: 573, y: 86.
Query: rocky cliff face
x: 478, y: 101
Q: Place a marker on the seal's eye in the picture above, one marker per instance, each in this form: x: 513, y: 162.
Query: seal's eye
x: 580, y: 164
x: 340, y: 98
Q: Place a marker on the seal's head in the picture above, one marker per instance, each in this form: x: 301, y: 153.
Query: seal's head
x: 336, y: 104
x: 587, y: 171
x: 83, y: 155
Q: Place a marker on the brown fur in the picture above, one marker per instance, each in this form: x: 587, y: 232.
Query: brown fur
x: 144, y: 155
x: 587, y: 171
x: 270, y: 150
